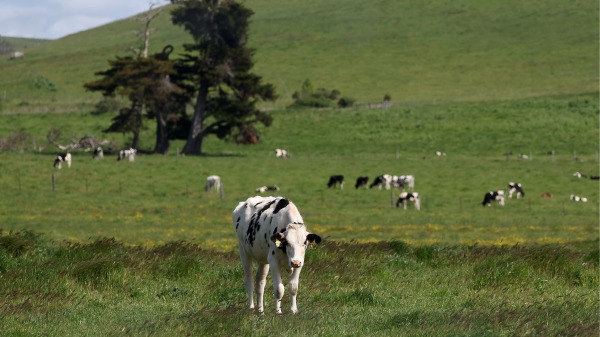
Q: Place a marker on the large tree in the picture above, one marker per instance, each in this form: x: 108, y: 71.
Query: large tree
x: 218, y: 65
x: 147, y: 83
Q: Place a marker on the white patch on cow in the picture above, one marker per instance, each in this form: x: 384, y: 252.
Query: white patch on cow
x: 271, y: 233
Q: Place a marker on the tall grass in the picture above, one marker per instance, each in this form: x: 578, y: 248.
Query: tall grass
x: 386, y: 289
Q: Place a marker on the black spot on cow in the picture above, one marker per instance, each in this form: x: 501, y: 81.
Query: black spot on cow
x: 281, y: 205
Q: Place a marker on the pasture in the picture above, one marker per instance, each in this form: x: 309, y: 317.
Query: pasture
x: 161, y: 198
x: 139, y: 248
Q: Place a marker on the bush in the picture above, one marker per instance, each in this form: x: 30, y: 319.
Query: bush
x: 345, y: 102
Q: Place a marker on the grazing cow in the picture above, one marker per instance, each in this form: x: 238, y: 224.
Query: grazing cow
x: 523, y: 156
x: 405, y: 197
x: 337, y: 180
x: 515, y: 187
x: 440, y: 153
x: 577, y: 198
x: 404, y: 181
x: 579, y: 175
x: 384, y: 180
x: 98, y: 153
x: 271, y: 232
x: 281, y: 153
x: 129, y: 154
x: 493, y: 195
x: 595, y: 177
x: 63, y: 157
x: 264, y: 189
x: 361, y: 181
x: 213, y: 183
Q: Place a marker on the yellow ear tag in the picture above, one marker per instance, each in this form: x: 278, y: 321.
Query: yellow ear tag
x: 277, y: 243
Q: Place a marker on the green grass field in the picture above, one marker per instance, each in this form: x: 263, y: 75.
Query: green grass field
x: 109, y: 248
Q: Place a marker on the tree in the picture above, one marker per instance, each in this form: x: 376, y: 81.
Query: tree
x: 218, y: 66
x: 147, y: 83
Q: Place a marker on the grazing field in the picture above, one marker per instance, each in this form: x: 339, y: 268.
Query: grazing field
x: 139, y: 248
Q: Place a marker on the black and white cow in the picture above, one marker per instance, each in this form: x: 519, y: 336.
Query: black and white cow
x: 271, y: 232
x: 515, y: 188
x: 63, y: 157
x: 336, y: 180
x: 361, y: 181
x: 413, y: 197
x: 281, y: 153
x: 129, y: 154
x: 213, y: 183
x: 404, y: 182
x: 489, y: 197
x: 264, y: 189
x: 98, y: 153
x: 384, y: 180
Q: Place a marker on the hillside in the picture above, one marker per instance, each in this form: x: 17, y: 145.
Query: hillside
x: 435, y: 52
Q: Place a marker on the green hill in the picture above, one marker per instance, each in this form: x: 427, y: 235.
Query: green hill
x: 437, y: 51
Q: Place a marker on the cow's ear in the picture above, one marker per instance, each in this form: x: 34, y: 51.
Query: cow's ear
x: 313, y: 238
x: 277, y: 237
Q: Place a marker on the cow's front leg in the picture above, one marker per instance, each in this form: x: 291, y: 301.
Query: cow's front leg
x: 294, y: 282
x: 278, y: 288
x: 260, y: 282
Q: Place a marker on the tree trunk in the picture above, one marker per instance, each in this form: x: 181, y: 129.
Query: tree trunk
x: 193, y: 145
x: 137, y: 115
x: 162, y: 134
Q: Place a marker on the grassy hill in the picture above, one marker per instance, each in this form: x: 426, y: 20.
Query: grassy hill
x: 437, y: 51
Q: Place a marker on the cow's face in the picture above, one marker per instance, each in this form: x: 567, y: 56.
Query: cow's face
x: 293, y: 241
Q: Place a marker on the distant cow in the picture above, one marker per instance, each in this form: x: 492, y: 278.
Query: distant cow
x: 129, y: 154
x: 264, y: 189
x: 515, y: 187
x: 577, y: 198
x: 281, y: 153
x: 489, y: 197
x: 384, y: 180
x: 361, y: 181
x: 334, y: 181
x: 404, y: 182
x: 63, y: 157
x: 440, y: 153
x: 271, y: 232
x: 98, y: 153
x: 413, y: 197
x: 16, y: 54
x: 579, y: 175
x: 595, y: 177
x: 213, y: 183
